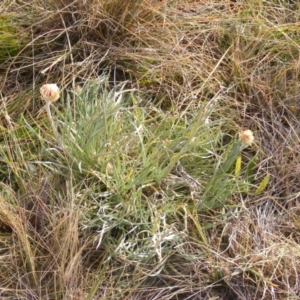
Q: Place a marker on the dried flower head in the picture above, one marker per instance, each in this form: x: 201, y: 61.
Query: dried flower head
x: 49, y: 92
x: 246, y: 137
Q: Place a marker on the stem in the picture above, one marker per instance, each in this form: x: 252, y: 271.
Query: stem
x: 53, y: 126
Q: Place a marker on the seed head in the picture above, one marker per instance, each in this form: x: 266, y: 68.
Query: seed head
x: 50, y: 92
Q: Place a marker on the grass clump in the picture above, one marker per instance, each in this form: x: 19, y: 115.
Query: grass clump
x: 146, y: 182
x: 129, y: 178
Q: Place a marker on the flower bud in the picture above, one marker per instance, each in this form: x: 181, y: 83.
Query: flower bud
x: 50, y: 92
x: 78, y: 89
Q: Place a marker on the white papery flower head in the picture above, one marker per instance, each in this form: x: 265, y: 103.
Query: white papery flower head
x: 50, y: 92
x: 246, y: 137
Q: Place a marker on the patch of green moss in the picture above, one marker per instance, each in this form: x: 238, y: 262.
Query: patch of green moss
x: 12, y: 38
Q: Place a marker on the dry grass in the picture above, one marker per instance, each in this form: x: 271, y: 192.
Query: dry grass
x: 147, y: 200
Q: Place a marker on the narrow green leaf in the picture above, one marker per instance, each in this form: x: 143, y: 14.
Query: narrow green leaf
x: 263, y: 185
x: 250, y: 168
x: 238, y: 164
